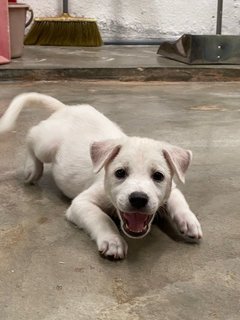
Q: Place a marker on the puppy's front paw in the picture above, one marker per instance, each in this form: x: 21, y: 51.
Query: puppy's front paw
x: 188, y: 225
x: 113, y: 246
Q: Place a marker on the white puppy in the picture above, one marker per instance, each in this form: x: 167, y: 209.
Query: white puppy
x: 105, y: 171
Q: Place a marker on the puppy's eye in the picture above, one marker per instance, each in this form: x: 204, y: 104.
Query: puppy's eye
x: 120, y: 173
x: 158, y: 176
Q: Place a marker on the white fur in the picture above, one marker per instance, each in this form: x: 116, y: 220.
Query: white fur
x: 79, y: 141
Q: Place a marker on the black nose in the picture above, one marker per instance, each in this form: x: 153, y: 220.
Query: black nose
x: 138, y: 200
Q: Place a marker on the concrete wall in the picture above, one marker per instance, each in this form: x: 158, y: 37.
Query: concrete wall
x: 148, y: 18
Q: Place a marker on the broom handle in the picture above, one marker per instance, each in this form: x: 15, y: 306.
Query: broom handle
x: 65, y: 6
x: 219, y: 16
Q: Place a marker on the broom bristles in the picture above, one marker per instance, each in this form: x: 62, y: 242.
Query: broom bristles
x: 81, y: 32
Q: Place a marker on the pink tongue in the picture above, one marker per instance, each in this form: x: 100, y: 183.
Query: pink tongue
x: 135, y: 221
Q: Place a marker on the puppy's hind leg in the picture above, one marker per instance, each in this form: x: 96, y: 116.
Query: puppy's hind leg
x: 33, y: 168
x: 41, y: 148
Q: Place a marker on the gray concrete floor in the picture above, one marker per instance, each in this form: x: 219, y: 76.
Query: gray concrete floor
x: 125, y: 63
x: 97, y: 57
x: 50, y: 270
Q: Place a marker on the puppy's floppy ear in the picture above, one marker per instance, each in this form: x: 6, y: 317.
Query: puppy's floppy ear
x: 103, y: 152
x: 178, y: 159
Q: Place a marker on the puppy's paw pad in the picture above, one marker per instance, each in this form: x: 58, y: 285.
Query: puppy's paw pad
x: 113, y: 246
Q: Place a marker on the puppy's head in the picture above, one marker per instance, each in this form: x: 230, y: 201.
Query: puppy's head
x: 138, y: 177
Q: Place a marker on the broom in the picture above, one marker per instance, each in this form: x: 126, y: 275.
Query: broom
x: 64, y: 31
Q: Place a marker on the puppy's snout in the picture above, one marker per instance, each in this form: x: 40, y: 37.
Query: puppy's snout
x: 138, y: 200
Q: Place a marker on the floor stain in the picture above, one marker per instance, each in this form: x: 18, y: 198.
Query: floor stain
x: 43, y: 220
x: 59, y: 287
x: 207, y: 108
x: 11, y: 236
x: 78, y: 269
x: 120, y: 292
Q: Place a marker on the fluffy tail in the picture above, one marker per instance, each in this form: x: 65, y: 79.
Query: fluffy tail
x: 32, y: 99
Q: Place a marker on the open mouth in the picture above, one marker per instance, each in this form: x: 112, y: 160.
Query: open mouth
x: 136, y: 224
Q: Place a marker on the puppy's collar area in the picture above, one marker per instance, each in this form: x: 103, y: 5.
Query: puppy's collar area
x: 135, y: 224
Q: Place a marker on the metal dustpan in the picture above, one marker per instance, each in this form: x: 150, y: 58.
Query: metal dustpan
x: 204, y: 49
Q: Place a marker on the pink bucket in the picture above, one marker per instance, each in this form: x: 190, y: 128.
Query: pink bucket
x: 4, y: 33
x: 17, y: 22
